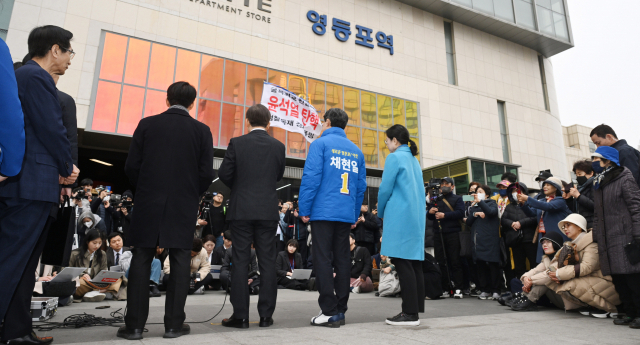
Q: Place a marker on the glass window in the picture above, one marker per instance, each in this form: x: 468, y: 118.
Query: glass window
x: 451, y: 64
x: 298, y: 85
x: 369, y: 110
x: 6, y: 8
x: 137, y: 62
x: 316, y: 96
x: 485, y: 6
x: 503, y: 132
x: 417, y: 141
x: 592, y: 147
x: 384, y: 112
x: 278, y: 78
x: 278, y: 133
x: 477, y: 172
x: 462, y: 184
x: 557, y: 6
x: 113, y: 53
x: 334, y: 96
x: 503, y: 9
x: 211, y: 77
x: 297, y: 145
x: 163, y: 59
x: 398, y: 112
x: 234, y: 76
x: 544, y: 3
x: 188, y: 67
x: 209, y: 114
x: 384, y: 151
x: 412, y: 118
x: 512, y: 170
x: 370, y: 148
x: 255, y: 82
x: 106, y: 107
x: 352, y: 105
x: 353, y: 134
x: 545, y: 21
x: 543, y: 79
x: 494, y: 172
x: 524, y: 13
x: 156, y: 103
x: 232, y: 123
x: 560, y: 25
x: 130, y: 109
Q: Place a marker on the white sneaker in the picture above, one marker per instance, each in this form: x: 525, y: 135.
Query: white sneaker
x: 356, y: 289
x: 200, y: 291
x: 93, y: 296
x: 445, y: 294
x: 484, y: 295
x: 495, y: 296
x: 458, y: 294
x: 326, y: 321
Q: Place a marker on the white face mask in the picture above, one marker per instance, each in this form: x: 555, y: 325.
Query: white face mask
x: 88, y: 224
x: 515, y: 196
x: 481, y: 196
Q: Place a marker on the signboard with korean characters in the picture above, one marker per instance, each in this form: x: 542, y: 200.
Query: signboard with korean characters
x: 290, y: 112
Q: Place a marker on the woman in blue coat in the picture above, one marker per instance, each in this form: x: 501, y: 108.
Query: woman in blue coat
x: 402, y: 206
x: 550, y: 210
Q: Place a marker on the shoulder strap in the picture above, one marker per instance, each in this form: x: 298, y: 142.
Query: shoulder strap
x: 462, y: 225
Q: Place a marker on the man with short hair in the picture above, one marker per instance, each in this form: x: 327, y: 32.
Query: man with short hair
x: 221, y: 250
x: 252, y: 166
x: 447, y: 212
x: 116, y: 249
x: 87, y: 185
x: 331, y: 192
x: 366, y: 230
x: 170, y: 163
x: 604, y: 135
x: 28, y: 199
x: 216, y: 219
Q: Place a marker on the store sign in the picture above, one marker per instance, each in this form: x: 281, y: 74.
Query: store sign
x: 262, y: 5
x: 290, y: 112
x: 342, y: 30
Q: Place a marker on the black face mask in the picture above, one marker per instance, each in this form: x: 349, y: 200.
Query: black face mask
x: 581, y: 180
x: 445, y: 190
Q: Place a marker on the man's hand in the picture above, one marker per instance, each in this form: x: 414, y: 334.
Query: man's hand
x: 574, y: 192
x: 527, y: 282
x: 250, y: 281
x: 553, y: 277
x: 464, y: 220
x: 202, y: 222
x: 71, y: 179
x: 305, y: 219
x: 439, y: 215
x: 2, y: 178
x: 86, y: 277
x: 295, y: 213
x: 289, y: 274
x: 353, y: 226
x: 522, y: 198
x: 374, y: 212
x: 107, y: 204
x: 124, y: 211
x: 45, y: 279
x: 515, y: 225
x: 103, y: 194
x: 387, y: 270
x: 361, y: 219
x: 433, y: 210
x: 479, y: 214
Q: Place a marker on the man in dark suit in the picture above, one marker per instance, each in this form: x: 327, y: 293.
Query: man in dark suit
x: 28, y: 199
x: 252, y: 166
x: 116, y: 249
x: 170, y: 163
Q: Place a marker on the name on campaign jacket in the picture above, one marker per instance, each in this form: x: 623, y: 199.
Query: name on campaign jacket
x: 334, y: 179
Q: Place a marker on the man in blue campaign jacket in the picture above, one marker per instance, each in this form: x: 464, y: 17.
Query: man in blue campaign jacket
x: 331, y: 193
x: 12, y: 129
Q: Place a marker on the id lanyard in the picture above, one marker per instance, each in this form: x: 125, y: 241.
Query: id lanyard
x: 292, y: 266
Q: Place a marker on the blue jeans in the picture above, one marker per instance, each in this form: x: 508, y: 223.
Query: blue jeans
x: 219, y: 241
x: 156, y: 270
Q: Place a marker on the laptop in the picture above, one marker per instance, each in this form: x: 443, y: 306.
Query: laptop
x: 375, y: 274
x: 117, y: 268
x: 106, y: 278
x: 301, y: 274
x: 215, y: 271
x: 68, y: 274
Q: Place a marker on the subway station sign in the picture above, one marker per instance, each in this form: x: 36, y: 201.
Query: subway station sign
x: 261, y: 5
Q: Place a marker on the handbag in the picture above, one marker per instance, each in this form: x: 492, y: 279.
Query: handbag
x: 633, y: 252
x: 512, y: 237
x: 60, y: 238
x: 466, y: 243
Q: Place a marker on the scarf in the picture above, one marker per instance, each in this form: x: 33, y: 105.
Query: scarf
x: 178, y: 106
x: 502, y: 204
x: 597, y: 180
x: 541, y: 228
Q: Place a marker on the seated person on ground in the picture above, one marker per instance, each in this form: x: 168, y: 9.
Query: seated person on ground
x: 360, y: 267
x: 389, y: 283
x: 286, y: 262
x: 43, y: 287
x: 227, y: 270
x: 116, y: 249
x: 90, y: 255
x: 220, y: 251
x: 212, y: 256
x: 89, y: 221
x: 199, y: 264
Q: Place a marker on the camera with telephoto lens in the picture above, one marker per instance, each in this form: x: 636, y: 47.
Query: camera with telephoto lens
x: 206, y: 204
x: 432, y: 188
x: 80, y: 195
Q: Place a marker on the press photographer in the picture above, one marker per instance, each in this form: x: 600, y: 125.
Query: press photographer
x: 122, y: 214
x: 212, y: 216
x: 447, y: 210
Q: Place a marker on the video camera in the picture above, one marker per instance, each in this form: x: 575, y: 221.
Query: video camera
x: 81, y: 194
x: 206, y: 204
x: 432, y: 188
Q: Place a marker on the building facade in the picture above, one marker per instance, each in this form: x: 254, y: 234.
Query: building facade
x: 467, y: 77
x: 578, y: 145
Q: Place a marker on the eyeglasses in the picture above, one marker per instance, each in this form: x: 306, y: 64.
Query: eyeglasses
x: 72, y: 53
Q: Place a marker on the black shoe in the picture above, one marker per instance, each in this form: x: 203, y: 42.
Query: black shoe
x: 29, y: 339
x: 175, y: 333
x: 624, y: 321
x: 311, y: 284
x: 255, y: 290
x: 235, y: 323
x: 524, y: 304
x: 403, y: 319
x: 129, y: 333
x: 635, y: 323
x: 504, y: 300
x: 266, y: 321
x: 153, y: 291
x: 377, y: 294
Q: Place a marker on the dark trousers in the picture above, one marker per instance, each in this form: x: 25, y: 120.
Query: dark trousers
x: 628, y: 287
x: 304, y: 251
x: 138, y: 288
x: 369, y: 245
x: 450, y: 247
x: 331, y: 251
x: 521, y: 253
x: 23, y: 232
x: 488, y: 276
x: 263, y: 235
x: 292, y: 284
x: 469, y: 272
x: 411, y: 284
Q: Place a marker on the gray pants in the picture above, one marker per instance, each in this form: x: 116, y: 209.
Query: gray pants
x: 538, y: 291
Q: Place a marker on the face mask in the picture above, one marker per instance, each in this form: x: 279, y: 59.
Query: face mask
x: 445, y: 190
x: 88, y: 224
x: 515, y: 196
x: 581, y: 180
x: 596, y: 167
x: 481, y: 196
x: 502, y: 192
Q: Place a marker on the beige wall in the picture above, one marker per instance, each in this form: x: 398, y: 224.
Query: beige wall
x: 576, y: 140
x: 456, y: 121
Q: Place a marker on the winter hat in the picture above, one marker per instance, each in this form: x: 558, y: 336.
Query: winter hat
x: 608, y: 153
x: 127, y: 193
x: 554, y: 181
x: 555, y: 238
x: 576, y: 219
x: 544, y: 174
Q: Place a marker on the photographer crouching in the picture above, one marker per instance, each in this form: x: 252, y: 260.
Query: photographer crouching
x: 122, y: 214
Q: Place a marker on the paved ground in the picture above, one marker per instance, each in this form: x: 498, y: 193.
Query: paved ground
x: 467, y: 321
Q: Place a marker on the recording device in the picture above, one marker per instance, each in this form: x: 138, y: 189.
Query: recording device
x: 81, y: 194
x: 195, y: 277
x: 115, y: 199
x: 205, y: 205
x: 433, y: 189
x: 567, y: 186
x: 127, y: 204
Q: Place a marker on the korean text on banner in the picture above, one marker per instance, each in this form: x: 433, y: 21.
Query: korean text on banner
x: 290, y: 112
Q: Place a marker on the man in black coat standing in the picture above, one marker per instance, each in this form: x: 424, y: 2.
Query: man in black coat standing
x: 170, y: 163
x: 252, y: 166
